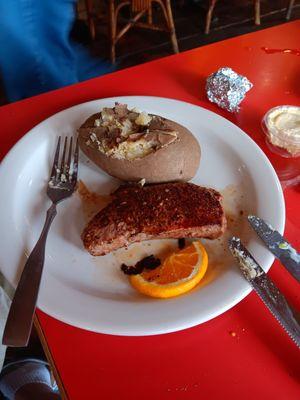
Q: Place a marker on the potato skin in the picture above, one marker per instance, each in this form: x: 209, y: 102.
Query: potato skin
x: 178, y: 161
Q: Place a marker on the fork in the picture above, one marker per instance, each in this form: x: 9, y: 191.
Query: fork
x: 61, y: 185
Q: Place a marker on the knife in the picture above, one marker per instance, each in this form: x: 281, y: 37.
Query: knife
x: 266, y: 289
x: 278, y: 245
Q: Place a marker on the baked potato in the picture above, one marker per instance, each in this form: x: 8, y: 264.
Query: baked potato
x: 131, y: 146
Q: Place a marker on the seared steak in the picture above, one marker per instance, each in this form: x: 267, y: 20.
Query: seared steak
x: 169, y: 210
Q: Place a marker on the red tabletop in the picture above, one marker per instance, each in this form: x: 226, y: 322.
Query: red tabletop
x: 242, y: 353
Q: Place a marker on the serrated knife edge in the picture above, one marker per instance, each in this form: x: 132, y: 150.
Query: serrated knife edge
x: 266, y: 289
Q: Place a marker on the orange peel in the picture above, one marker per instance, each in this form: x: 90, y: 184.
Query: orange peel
x: 178, y: 274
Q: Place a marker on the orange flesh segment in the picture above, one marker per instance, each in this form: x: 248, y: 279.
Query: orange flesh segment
x: 176, y: 267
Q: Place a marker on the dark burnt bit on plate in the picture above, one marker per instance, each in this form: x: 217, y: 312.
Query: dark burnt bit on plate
x: 181, y: 243
x: 149, y: 262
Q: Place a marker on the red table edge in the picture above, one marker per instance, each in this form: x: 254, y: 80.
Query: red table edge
x: 50, y: 359
x: 133, y: 67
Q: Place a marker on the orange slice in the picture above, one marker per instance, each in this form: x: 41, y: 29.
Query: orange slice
x: 179, y: 273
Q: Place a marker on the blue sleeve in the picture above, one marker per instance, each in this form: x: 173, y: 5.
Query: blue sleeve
x: 36, y: 54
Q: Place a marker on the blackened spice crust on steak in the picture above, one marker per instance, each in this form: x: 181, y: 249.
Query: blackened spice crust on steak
x: 170, y: 210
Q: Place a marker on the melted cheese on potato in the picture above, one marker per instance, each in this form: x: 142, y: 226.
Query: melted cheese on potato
x: 131, y: 150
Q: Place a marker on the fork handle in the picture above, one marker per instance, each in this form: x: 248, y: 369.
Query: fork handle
x: 19, y: 321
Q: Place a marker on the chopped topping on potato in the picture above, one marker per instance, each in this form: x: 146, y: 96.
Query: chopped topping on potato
x: 129, y: 134
x: 143, y: 119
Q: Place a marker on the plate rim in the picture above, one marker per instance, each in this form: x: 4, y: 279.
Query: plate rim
x: 221, y: 310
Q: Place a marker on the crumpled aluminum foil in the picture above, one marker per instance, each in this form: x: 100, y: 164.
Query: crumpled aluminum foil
x: 227, y: 89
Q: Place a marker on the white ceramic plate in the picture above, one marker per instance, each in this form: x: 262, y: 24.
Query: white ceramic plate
x: 92, y: 293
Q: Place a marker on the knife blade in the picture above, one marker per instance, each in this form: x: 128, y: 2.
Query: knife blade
x: 266, y: 290
x: 278, y: 245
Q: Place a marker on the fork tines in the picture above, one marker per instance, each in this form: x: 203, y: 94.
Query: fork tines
x: 62, y: 171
